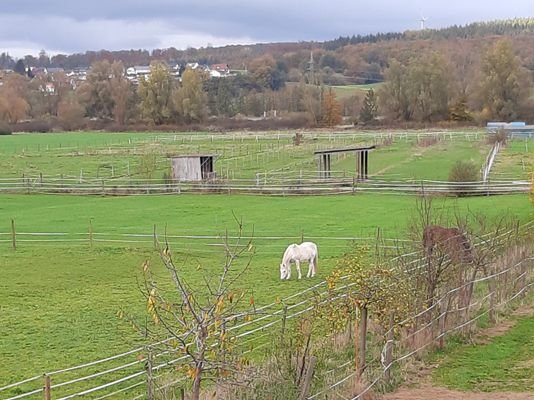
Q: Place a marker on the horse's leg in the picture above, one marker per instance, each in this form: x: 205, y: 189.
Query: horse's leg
x: 288, y: 276
x: 297, y: 263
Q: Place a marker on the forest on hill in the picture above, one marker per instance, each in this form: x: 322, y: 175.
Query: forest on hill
x: 470, y: 73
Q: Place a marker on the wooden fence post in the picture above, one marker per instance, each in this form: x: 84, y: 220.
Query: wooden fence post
x: 388, y: 356
x: 182, y: 394
x: 363, y: 340
x: 444, y: 309
x: 90, y: 233
x: 356, y: 339
x: 47, y: 388
x: 13, y: 235
x: 306, y: 384
x: 284, y: 318
x: 492, y: 288
x: 149, y: 377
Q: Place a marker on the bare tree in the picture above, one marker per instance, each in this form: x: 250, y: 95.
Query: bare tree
x: 195, y: 320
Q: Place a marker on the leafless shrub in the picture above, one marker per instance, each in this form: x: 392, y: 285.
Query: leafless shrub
x: 387, y: 141
x: 501, y: 136
x: 298, y: 138
x: 427, y: 141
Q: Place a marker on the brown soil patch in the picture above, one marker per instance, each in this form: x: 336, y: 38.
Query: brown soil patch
x: 526, y: 364
x: 432, y: 393
x: 484, y: 337
x: 503, y: 326
x: 524, y: 311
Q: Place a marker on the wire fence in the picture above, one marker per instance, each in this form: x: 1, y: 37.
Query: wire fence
x: 122, y: 140
x: 262, y: 184
x: 428, y: 328
x: 265, y: 243
x: 125, y: 374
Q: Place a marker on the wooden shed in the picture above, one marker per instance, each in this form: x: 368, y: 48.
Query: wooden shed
x: 362, y: 160
x: 193, y: 167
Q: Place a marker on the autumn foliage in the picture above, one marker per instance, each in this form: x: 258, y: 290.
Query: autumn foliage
x: 332, y: 109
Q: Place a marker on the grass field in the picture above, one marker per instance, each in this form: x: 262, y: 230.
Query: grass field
x: 516, y: 160
x: 350, y: 90
x: 60, y: 296
x: 504, y: 364
x: 122, y: 155
x: 60, y: 299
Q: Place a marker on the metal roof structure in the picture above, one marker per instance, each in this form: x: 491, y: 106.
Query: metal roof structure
x: 345, y: 150
x: 362, y: 160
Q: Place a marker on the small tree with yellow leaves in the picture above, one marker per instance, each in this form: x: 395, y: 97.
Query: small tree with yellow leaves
x: 362, y: 285
x: 195, y: 321
x: 331, y: 109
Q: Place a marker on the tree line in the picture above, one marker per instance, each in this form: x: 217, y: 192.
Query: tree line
x: 428, y: 88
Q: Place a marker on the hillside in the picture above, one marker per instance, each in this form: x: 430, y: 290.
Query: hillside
x: 361, y: 59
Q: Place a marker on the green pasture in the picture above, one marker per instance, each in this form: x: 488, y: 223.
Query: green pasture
x: 60, y: 299
x: 502, y: 364
x: 343, y: 91
x: 61, y: 289
x: 84, y: 156
x: 515, y: 160
x: 410, y: 160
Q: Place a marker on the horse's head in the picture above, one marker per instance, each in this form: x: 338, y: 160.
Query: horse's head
x: 469, y: 252
x: 283, y: 271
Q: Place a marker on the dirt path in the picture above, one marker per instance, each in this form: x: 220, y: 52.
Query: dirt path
x: 426, y: 391
x: 434, y: 393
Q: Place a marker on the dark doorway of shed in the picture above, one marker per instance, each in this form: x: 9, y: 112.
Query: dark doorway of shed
x: 206, y: 167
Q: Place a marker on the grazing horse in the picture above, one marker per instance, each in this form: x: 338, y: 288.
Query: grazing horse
x: 450, y: 241
x: 297, y: 253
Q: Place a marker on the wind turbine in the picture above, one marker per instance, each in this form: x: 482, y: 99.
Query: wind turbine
x: 423, y: 20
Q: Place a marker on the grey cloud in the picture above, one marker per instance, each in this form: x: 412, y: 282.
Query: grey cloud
x: 113, y: 24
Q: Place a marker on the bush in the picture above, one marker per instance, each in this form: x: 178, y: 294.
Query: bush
x: 463, y: 171
x: 498, y: 137
x: 428, y: 141
x: 5, y: 129
x: 36, y: 125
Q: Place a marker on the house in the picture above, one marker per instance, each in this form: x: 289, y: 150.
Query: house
x: 133, y: 74
x: 49, y: 88
x: 219, y: 70
x: 224, y: 69
x: 193, y: 65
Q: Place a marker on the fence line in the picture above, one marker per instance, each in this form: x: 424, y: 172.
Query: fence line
x: 490, y: 159
x: 299, y: 307
x: 432, y: 322
x: 274, y: 186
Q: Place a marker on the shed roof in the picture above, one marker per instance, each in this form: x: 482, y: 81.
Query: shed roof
x: 192, y: 155
x: 345, y: 150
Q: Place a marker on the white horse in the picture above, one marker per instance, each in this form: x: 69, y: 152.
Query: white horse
x: 297, y: 253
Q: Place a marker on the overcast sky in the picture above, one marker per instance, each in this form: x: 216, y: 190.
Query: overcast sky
x: 69, y: 26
